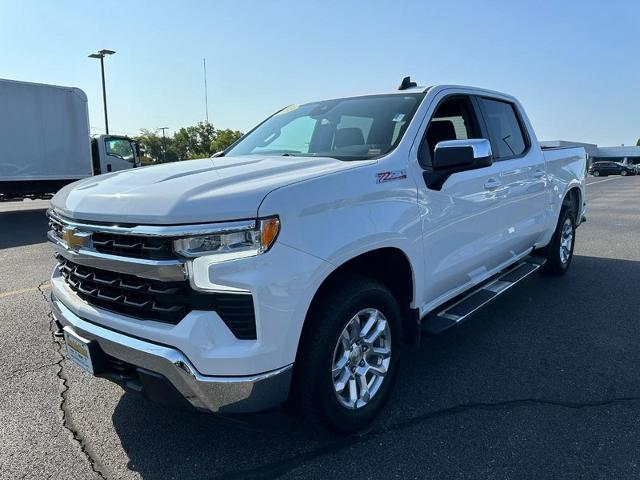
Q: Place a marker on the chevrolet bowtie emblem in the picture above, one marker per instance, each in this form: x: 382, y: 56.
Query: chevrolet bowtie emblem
x: 75, y: 239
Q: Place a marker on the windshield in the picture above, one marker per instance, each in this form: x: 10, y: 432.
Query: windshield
x: 356, y: 128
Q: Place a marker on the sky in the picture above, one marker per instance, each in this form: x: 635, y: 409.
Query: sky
x: 575, y: 66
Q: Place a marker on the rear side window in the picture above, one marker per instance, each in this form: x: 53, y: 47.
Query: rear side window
x: 507, y: 138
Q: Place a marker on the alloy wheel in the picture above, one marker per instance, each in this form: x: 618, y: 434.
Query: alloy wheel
x: 361, y: 358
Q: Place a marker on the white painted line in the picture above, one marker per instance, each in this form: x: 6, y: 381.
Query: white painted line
x: 605, y: 180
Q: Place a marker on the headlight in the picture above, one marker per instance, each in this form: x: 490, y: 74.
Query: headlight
x: 231, y: 243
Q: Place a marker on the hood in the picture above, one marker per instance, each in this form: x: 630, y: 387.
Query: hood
x: 193, y: 191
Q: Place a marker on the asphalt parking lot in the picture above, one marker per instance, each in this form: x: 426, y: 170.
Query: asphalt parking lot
x: 543, y: 383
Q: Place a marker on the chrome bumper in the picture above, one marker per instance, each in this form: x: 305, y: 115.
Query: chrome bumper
x: 215, y: 394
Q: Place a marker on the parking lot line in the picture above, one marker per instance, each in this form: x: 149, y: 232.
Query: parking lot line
x: 604, y: 180
x: 23, y: 290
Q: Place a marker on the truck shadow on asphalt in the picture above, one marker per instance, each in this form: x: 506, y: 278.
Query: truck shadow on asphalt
x: 551, y: 342
x: 23, y: 227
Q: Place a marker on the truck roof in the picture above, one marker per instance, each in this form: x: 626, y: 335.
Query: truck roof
x: 425, y: 89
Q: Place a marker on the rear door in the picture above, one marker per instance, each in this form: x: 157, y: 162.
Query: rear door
x: 521, y: 171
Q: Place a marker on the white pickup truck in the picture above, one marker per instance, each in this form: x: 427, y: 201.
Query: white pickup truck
x: 299, y: 262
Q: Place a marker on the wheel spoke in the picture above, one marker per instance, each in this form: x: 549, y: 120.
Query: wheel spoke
x: 342, y: 381
x: 340, y: 364
x: 371, y: 321
x: 345, y: 340
x: 353, y: 391
x: 354, y: 333
x: 380, y: 327
x: 365, y: 395
x: 378, y: 370
x: 381, y: 352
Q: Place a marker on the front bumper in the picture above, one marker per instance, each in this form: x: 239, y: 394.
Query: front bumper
x: 224, y: 394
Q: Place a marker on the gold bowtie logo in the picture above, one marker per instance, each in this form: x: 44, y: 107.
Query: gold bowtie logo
x: 75, y: 239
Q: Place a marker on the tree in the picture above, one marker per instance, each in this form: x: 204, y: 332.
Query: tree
x: 638, y: 143
x: 223, y: 139
x: 197, y: 141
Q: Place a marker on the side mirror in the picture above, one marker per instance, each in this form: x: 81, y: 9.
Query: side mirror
x: 137, y: 160
x: 451, y: 156
x: 459, y: 155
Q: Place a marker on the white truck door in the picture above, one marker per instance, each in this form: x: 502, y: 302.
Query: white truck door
x: 521, y: 171
x: 463, y: 221
x: 117, y: 153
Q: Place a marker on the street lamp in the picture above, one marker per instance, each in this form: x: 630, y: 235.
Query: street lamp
x: 101, y: 54
x: 164, y: 144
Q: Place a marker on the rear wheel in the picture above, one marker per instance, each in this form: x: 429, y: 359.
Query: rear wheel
x: 595, y: 173
x: 348, y: 357
x: 560, y: 251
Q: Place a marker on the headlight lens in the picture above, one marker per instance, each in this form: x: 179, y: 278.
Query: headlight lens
x: 230, y: 245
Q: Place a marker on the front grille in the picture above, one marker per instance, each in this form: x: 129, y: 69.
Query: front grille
x: 168, y: 302
x: 152, y: 248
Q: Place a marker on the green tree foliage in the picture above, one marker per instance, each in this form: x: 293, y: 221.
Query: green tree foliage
x: 224, y: 138
x: 197, y: 141
x: 638, y: 143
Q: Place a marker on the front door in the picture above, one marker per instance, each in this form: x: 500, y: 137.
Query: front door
x: 119, y: 154
x: 464, y: 222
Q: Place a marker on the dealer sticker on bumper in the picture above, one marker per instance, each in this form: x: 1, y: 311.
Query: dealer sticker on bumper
x: 78, y: 350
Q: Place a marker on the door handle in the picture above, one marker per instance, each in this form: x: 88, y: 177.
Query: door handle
x: 538, y: 174
x: 492, y: 184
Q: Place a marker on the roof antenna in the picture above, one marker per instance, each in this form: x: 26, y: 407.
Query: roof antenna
x: 407, y: 83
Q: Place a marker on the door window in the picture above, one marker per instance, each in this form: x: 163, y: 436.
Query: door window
x: 454, y: 119
x: 119, y: 147
x: 505, y: 131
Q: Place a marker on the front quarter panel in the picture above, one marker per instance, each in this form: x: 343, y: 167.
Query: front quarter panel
x: 337, y: 217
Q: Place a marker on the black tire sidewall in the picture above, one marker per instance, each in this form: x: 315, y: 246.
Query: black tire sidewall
x: 554, y: 265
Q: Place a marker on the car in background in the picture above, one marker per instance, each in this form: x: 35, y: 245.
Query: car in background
x: 611, y: 168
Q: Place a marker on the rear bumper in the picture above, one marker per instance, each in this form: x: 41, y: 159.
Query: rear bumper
x: 224, y: 394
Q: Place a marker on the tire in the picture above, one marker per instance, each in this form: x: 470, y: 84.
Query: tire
x: 623, y: 173
x: 595, y: 173
x: 322, y: 349
x: 558, y: 258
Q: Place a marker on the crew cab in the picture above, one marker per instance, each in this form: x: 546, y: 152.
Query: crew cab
x: 298, y: 263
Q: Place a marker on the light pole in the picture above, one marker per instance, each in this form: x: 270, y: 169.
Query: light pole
x: 164, y: 144
x: 101, y: 54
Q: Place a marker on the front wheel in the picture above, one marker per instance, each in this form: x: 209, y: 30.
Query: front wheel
x: 595, y: 173
x: 623, y: 173
x: 560, y: 251
x: 348, y: 356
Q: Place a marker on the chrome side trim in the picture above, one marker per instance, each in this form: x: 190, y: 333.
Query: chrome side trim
x: 237, y: 394
x: 164, y: 270
x: 157, y: 230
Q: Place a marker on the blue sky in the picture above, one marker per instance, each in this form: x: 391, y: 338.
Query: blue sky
x: 574, y: 65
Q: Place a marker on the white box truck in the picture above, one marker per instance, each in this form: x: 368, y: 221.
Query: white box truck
x: 45, y: 141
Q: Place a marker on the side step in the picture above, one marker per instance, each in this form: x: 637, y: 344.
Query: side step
x: 461, y: 307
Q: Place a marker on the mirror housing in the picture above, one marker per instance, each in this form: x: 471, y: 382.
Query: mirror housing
x: 139, y: 150
x: 452, y: 156
x: 462, y: 154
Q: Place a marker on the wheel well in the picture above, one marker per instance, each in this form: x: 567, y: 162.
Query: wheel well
x: 391, y: 267
x: 573, y: 199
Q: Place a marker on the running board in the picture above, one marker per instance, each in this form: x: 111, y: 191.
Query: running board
x: 461, y: 307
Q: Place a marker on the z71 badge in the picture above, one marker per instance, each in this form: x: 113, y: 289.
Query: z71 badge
x: 382, y: 177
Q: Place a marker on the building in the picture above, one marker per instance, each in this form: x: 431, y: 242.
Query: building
x: 629, y: 155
